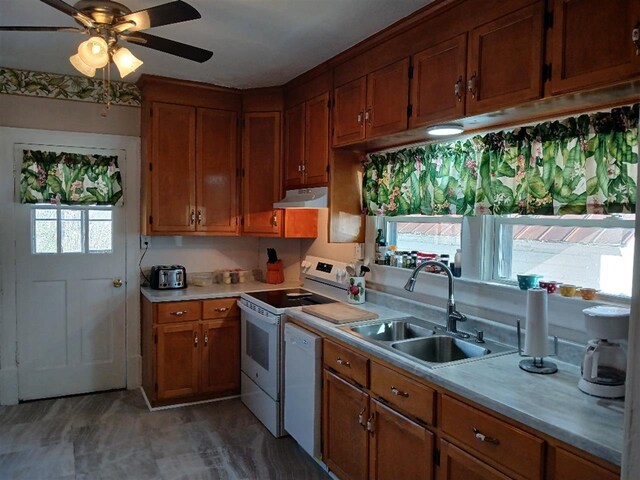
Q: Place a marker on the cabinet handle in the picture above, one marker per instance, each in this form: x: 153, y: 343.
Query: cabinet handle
x: 179, y: 313
x: 299, y: 168
x: 274, y: 219
x: 370, y: 424
x: 368, y: 116
x: 359, y: 119
x: 302, y: 168
x: 205, y: 339
x: 193, y: 217
x: 221, y: 309
x: 471, y: 85
x: 360, y: 417
x: 199, y: 217
x: 399, y: 393
x: 457, y: 89
x: 635, y: 38
x: 344, y: 363
x: 483, y: 438
x: 195, y: 340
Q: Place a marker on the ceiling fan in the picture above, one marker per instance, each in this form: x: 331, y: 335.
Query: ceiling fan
x: 108, y: 22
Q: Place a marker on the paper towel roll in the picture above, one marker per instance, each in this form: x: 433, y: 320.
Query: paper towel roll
x: 537, y: 326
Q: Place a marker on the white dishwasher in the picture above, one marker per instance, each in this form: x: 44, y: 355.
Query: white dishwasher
x: 302, y: 387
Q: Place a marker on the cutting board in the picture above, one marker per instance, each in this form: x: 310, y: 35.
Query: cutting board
x: 339, y: 312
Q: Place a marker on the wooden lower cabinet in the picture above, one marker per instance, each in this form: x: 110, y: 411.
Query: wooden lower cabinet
x: 568, y: 466
x: 186, y: 359
x: 456, y: 464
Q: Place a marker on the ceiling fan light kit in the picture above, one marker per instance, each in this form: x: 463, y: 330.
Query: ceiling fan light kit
x: 82, y: 67
x: 125, y: 61
x: 94, y: 52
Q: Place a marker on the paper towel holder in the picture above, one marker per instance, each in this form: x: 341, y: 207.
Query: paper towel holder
x: 537, y: 364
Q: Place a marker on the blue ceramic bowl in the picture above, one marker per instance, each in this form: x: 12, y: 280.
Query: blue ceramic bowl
x: 525, y: 282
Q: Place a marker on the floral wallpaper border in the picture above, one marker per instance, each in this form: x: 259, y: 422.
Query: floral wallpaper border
x: 66, y: 87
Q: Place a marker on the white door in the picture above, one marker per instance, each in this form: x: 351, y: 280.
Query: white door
x: 70, y: 291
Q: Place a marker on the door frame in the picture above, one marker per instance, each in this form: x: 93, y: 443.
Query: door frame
x: 130, y: 167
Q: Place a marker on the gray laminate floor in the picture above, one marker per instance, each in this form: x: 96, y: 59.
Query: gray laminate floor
x: 114, y: 436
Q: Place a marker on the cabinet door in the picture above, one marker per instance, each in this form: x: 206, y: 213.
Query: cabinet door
x: 456, y: 464
x: 387, y: 99
x: 216, y: 167
x: 317, y: 140
x: 178, y: 360
x: 261, y: 167
x: 294, y: 147
x: 173, y: 170
x: 438, y: 85
x: 505, y: 61
x: 345, y: 438
x: 220, y: 356
x: 568, y: 466
x: 348, y: 112
x: 592, y: 43
x: 400, y: 448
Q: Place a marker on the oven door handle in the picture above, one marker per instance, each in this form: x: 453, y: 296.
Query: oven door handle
x: 262, y: 318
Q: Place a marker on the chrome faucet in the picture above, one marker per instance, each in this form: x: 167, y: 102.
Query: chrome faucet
x: 453, y: 315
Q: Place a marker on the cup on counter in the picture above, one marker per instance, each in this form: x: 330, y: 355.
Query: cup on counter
x: 525, y: 282
x: 588, y: 293
x: 356, y: 289
x: 226, y: 277
x: 550, y: 286
x: 235, y: 277
x: 568, y: 290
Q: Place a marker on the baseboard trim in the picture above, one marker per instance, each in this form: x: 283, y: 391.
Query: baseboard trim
x: 179, y: 405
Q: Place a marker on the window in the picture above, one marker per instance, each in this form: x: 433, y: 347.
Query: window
x: 586, y: 250
x: 440, y: 235
x: 71, y: 229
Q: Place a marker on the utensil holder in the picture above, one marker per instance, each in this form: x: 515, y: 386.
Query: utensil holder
x: 275, y: 272
x: 356, y: 290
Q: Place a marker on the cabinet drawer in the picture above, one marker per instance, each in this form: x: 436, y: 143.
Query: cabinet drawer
x: 170, y: 312
x: 400, y: 391
x: 220, y: 308
x: 346, y: 362
x: 515, y: 449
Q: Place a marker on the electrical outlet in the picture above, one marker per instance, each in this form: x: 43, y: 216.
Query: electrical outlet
x: 145, y: 241
x: 359, y: 251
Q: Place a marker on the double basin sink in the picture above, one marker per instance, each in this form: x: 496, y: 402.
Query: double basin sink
x: 426, y: 342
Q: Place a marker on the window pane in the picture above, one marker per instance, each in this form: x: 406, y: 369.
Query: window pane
x: 71, y: 214
x: 595, y: 257
x: 46, y: 213
x: 71, y: 236
x: 99, y: 214
x: 100, y: 236
x: 46, y: 236
x: 439, y: 238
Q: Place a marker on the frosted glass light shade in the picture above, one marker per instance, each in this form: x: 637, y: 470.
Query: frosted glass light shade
x: 445, y: 129
x: 82, y: 67
x: 125, y: 61
x: 94, y: 52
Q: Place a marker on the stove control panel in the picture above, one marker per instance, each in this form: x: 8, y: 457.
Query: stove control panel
x: 323, y: 269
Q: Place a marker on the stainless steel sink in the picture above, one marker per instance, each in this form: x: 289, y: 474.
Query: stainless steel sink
x: 392, y: 331
x: 441, y: 349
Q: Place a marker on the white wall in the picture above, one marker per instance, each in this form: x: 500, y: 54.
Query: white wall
x: 320, y: 247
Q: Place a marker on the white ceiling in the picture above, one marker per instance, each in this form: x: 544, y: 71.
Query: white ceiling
x: 255, y: 43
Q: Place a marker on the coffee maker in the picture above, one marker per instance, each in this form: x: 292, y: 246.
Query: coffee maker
x: 604, y: 365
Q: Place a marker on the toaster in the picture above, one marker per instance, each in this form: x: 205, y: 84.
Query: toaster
x: 165, y: 277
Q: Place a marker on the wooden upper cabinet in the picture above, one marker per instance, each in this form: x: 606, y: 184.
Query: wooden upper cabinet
x: 592, y: 43
x: 172, y: 168
x: 400, y: 448
x: 220, y: 355
x: 261, y: 173
x: 345, y: 438
x: 316, y: 144
x: 505, y: 61
x: 294, y: 145
x: 348, y: 112
x: 456, y: 464
x: 178, y: 360
x: 216, y: 167
x: 439, y: 80
x: 387, y: 99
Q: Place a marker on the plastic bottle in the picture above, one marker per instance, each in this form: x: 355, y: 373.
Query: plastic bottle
x: 457, y: 261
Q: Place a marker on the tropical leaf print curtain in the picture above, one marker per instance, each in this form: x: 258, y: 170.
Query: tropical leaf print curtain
x: 585, y: 164
x: 70, y: 179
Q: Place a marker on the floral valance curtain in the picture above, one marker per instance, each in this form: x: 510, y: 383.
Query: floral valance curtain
x: 70, y: 179
x: 585, y: 164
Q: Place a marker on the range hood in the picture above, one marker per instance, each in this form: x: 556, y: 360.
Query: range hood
x: 304, y: 198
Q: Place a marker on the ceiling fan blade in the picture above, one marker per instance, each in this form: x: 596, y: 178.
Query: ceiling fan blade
x: 165, y: 14
x: 169, y: 46
x: 41, y: 29
x: 71, y: 11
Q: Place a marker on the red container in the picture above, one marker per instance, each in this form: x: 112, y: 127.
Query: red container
x: 550, y: 287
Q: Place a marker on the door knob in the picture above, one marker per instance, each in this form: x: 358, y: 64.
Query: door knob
x: 117, y: 283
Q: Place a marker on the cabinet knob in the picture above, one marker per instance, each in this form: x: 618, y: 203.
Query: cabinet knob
x: 221, y: 309
x: 359, y: 119
x: 471, y: 85
x: 343, y: 363
x: 193, y: 217
x: 199, y: 217
x: 195, y: 340
x: 205, y: 339
x: 179, y: 313
x: 457, y: 89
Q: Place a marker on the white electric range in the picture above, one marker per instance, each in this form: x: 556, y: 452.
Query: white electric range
x: 262, y: 336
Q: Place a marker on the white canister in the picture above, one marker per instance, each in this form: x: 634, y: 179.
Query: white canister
x: 356, y: 289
